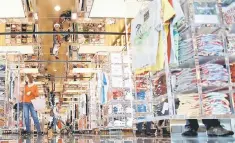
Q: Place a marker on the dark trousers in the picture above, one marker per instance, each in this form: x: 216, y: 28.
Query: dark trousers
x: 140, y: 127
x: 193, y: 123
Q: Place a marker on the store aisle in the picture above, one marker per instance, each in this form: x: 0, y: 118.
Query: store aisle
x: 47, y: 16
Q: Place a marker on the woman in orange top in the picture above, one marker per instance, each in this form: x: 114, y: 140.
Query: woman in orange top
x: 31, y: 92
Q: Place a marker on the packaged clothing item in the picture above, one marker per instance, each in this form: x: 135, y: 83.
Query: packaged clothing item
x: 140, y: 108
x: 118, y: 109
x: 206, y: 12
x: 141, y: 95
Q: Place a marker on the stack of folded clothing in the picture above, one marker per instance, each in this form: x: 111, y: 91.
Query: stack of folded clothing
x: 186, y: 79
x: 189, y: 105
x: 214, y: 73
x: 210, y: 74
x: 216, y: 103
x: 160, y: 87
x: 232, y: 70
x: 210, y: 45
x: 185, y: 51
x: 141, y: 95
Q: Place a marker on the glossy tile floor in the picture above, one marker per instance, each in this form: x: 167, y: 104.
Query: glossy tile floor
x: 175, y: 138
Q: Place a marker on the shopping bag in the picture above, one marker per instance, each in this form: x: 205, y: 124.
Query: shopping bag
x: 39, y: 103
x: 59, y: 124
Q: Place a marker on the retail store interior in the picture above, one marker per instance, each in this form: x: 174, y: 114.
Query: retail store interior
x: 120, y: 71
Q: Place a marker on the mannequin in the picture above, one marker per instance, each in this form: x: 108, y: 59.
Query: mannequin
x: 30, y: 93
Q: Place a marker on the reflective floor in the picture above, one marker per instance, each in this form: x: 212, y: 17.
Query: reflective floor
x: 175, y: 138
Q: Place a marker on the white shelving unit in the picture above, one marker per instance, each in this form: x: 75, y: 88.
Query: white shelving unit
x: 9, y: 74
x: 114, y: 69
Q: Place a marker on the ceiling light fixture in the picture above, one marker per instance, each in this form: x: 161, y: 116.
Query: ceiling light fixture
x: 57, y: 8
x: 55, y: 70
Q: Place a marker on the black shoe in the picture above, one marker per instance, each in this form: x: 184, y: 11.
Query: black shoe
x: 189, y: 133
x: 165, y: 132
x: 219, y: 131
x: 139, y: 134
x: 40, y: 133
x: 26, y: 134
x: 150, y: 134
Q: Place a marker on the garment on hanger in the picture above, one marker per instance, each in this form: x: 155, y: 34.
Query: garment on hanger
x: 145, y: 36
x: 168, y: 13
x: 179, y: 16
x: 169, y: 43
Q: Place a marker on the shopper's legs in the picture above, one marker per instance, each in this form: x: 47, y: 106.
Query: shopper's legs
x: 35, y: 117
x: 215, y: 129
x: 139, y: 127
x: 192, y: 124
x: 54, y: 124
x: 191, y: 127
x: 148, y: 127
x: 26, y: 117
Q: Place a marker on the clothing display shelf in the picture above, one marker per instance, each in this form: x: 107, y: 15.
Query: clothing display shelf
x: 93, y: 104
x: 203, y: 85
x: 115, y: 89
x: 95, y: 40
x: 19, y: 39
x: 9, y: 79
x: 150, y: 102
x: 198, y: 72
